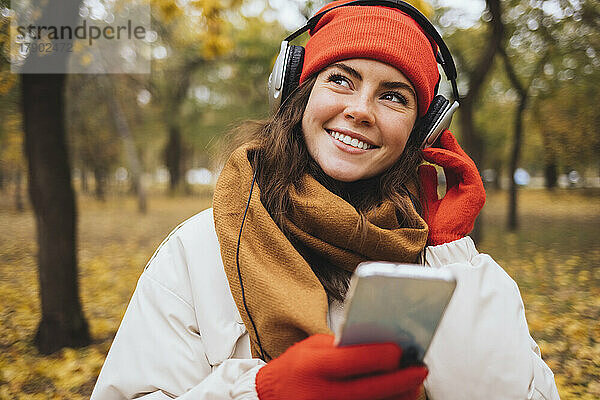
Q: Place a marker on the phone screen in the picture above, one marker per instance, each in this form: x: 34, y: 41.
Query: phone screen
x: 398, y: 303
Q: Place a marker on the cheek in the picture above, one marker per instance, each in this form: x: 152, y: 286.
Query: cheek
x: 309, y: 131
x: 322, y: 106
x: 398, y: 133
x: 318, y: 111
x: 309, y: 114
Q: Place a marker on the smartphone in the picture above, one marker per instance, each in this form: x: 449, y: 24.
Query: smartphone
x: 401, y: 303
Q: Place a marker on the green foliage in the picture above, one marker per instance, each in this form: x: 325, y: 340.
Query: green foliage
x: 569, y: 90
x: 10, y: 130
x: 572, y: 125
x: 93, y: 141
x: 561, y: 121
x: 11, y: 134
x: 565, y: 90
x: 235, y: 88
x: 465, y: 45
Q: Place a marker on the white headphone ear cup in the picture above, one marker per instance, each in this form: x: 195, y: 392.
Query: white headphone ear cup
x: 275, y: 83
x: 293, y: 70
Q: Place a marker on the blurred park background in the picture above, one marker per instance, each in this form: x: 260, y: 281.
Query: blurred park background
x: 95, y: 170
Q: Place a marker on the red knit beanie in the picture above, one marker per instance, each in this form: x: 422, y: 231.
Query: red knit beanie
x: 379, y: 33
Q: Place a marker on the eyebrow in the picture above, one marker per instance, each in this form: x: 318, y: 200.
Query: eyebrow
x: 351, y: 71
x: 399, y: 85
x: 386, y: 85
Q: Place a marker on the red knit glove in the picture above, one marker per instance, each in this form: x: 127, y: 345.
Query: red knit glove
x: 316, y: 369
x: 453, y: 216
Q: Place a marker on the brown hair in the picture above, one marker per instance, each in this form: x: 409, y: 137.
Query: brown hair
x: 282, y: 159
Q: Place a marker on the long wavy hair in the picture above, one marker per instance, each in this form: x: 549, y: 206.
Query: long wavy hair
x: 282, y: 159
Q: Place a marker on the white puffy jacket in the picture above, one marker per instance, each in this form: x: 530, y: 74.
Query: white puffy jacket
x: 182, y: 335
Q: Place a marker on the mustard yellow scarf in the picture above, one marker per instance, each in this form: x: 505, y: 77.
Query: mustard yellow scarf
x: 285, y: 299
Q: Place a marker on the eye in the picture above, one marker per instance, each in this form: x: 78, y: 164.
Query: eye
x: 395, y: 97
x: 340, y: 80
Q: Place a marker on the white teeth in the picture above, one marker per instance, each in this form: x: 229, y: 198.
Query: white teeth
x: 349, y: 141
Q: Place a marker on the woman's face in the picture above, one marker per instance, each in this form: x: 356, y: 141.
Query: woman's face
x: 358, y: 118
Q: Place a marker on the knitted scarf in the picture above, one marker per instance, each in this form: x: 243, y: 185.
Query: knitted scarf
x: 285, y: 299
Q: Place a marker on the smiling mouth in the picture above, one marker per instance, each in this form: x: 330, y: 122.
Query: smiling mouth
x: 349, y: 140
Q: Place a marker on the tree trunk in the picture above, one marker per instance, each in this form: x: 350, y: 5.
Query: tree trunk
x: 52, y: 197
x: 550, y: 175
x: 550, y: 167
x: 474, y: 146
x: 19, y: 206
x: 131, y: 153
x: 513, y: 219
x: 523, y: 92
x: 173, y: 158
x: 174, y: 150
x: 471, y: 139
x: 100, y: 187
x: 498, y: 169
x: 84, y: 181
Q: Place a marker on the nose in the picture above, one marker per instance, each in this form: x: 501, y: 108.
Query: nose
x: 359, y: 110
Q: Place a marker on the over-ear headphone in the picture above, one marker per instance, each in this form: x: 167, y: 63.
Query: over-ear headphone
x: 285, y: 77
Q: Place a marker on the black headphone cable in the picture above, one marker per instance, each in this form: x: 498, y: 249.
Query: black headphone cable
x: 237, y: 262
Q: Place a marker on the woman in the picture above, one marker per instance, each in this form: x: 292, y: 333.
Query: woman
x: 332, y: 179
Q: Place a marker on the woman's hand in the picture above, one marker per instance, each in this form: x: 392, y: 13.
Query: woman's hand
x: 316, y: 369
x: 453, y: 216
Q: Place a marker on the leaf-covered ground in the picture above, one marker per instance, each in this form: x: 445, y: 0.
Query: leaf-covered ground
x: 555, y: 259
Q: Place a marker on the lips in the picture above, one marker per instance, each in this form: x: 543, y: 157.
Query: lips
x: 351, y: 139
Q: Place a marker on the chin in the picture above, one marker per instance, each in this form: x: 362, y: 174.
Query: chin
x: 343, y: 175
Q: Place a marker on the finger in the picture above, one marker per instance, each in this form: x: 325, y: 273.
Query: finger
x: 460, y: 165
x: 397, y: 384
x: 350, y: 361
x: 318, y: 341
x: 447, y: 159
x: 456, y: 167
x: 449, y: 142
x: 442, y: 157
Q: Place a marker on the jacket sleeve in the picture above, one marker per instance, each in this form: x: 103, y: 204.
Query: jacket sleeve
x: 159, y: 351
x: 483, y: 333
